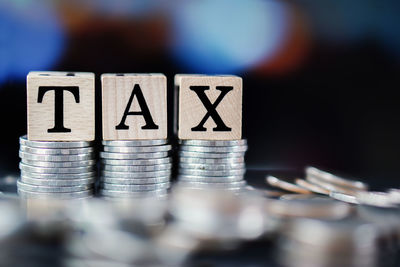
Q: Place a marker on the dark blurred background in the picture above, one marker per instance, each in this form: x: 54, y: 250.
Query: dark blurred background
x: 321, y: 78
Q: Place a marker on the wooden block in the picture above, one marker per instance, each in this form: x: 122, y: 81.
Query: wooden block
x: 209, y: 107
x: 134, y: 106
x: 61, y: 106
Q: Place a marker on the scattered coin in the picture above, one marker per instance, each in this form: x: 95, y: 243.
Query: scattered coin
x: 343, y: 197
x: 286, y: 185
x: 312, y: 187
x: 332, y: 187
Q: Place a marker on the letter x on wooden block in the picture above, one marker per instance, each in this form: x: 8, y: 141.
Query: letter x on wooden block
x: 134, y: 106
x: 61, y: 106
x: 209, y: 107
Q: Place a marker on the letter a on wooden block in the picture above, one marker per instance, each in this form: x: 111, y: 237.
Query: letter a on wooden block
x: 210, y: 107
x: 60, y: 106
x: 134, y: 106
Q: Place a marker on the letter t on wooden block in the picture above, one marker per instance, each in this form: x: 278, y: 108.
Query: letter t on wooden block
x: 60, y: 106
x: 134, y: 106
x: 210, y: 107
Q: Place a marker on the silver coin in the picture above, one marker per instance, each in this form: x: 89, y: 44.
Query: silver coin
x: 52, y: 189
x: 29, y: 168
x: 53, y: 164
x: 135, y: 180
x: 69, y: 195
x: 394, y: 195
x: 214, y: 149
x: 37, y: 157
x: 377, y: 199
x: 328, y: 177
x: 116, y: 193
x: 212, y: 167
x: 232, y: 185
x: 241, y: 142
x: 286, y: 184
x: 135, y: 187
x: 57, y: 151
x: 136, y: 162
x: 211, y: 173
x: 137, y: 149
x: 331, y: 186
x: 111, y: 155
x: 142, y: 168
x: 57, y: 182
x: 58, y: 175
x: 125, y: 143
x: 210, y: 155
x: 136, y: 174
x: 212, y: 161
x: 343, y: 197
x: 54, y: 144
x: 210, y: 179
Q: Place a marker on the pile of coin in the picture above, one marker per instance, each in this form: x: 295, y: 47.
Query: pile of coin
x: 62, y: 170
x: 135, y: 168
x: 212, y: 163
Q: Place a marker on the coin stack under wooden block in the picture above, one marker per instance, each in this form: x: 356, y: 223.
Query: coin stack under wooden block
x: 135, y: 168
x: 62, y: 170
x: 208, y: 125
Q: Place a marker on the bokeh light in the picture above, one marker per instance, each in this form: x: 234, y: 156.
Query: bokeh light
x: 31, y: 38
x: 227, y: 36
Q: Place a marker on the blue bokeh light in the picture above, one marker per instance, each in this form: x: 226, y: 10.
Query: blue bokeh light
x: 227, y: 36
x: 31, y: 38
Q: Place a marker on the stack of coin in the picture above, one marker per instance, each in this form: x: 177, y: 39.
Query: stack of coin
x: 212, y: 163
x: 135, y: 168
x: 54, y: 169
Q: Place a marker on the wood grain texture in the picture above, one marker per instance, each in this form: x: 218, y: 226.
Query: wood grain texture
x: 191, y: 110
x: 78, y: 117
x: 116, y: 92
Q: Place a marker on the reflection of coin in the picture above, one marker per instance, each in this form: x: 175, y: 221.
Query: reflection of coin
x: 286, y: 185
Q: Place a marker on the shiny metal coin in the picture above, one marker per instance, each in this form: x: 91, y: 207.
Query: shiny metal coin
x: 136, y: 174
x: 210, y: 179
x: 57, y: 151
x: 54, y: 144
x: 296, y: 196
x: 211, y: 173
x: 332, y: 187
x: 328, y: 177
x: 191, y: 154
x: 125, y: 143
x: 29, y: 168
x: 242, y: 142
x: 286, y: 185
x: 57, y: 195
x: 52, y: 189
x: 57, y: 182
x: 111, y: 155
x: 58, y: 175
x: 137, y: 149
x: 135, y: 187
x: 60, y: 164
x: 214, y: 149
x: 377, y: 199
x: 142, y: 168
x: 312, y: 187
x: 128, y: 181
x: 211, y: 161
x: 38, y: 157
x: 136, y: 162
x: 344, y: 197
x: 394, y: 195
x: 212, y: 167
x: 114, y: 193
